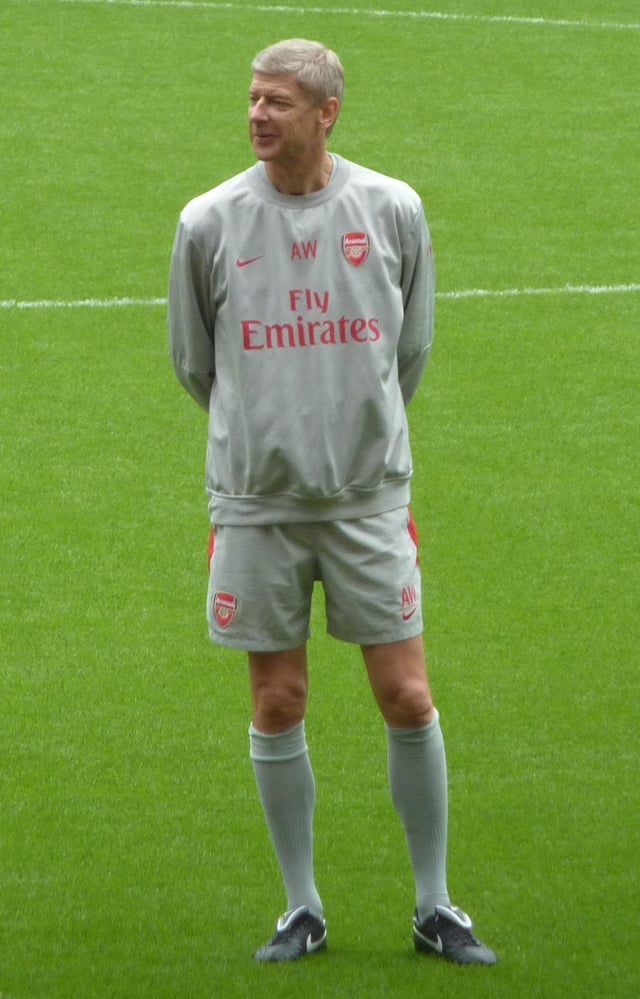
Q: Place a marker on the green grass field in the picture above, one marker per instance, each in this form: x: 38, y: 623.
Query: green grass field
x: 134, y: 863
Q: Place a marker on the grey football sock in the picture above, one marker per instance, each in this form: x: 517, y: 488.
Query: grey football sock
x: 287, y: 791
x: 418, y: 782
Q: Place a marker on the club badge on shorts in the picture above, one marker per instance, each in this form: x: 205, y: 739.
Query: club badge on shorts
x: 225, y: 607
x: 355, y: 246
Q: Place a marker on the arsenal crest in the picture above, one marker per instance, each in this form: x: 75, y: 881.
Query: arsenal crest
x: 355, y: 246
x: 225, y: 606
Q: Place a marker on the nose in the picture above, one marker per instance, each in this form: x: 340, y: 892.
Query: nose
x: 258, y: 110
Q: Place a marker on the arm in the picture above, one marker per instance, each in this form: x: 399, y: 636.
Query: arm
x: 191, y: 318
x: 418, y: 292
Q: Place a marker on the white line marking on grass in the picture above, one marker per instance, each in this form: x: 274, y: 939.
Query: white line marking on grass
x: 80, y: 303
x: 119, y: 303
x: 354, y: 11
x: 568, y: 289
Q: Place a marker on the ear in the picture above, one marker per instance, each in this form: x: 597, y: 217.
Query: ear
x: 329, y: 112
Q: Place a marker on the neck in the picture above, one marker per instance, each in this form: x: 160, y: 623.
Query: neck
x: 299, y: 179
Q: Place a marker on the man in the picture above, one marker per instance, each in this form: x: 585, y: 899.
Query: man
x: 301, y: 317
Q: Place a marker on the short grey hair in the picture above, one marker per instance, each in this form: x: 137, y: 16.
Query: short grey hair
x: 316, y: 68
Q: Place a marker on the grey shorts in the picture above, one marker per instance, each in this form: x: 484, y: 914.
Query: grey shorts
x: 261, y: 582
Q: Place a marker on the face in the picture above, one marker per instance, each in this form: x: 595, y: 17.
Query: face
x: 285, y: 126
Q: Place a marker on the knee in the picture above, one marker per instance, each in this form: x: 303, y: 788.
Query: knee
x: 279, y: 696
x: 407, y: 704
x: 277, y: 708
x: 398, y: 677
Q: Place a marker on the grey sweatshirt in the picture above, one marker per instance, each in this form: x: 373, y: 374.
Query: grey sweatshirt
x: 303, y: 325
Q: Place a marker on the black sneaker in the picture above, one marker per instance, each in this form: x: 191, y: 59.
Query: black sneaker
x: 298, y: 933
x: 447, y: 933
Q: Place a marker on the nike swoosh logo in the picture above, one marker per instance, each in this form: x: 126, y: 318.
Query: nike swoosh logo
x: 435, y: 945
x: 408, y: 614
x: 251, y: 260
x: 315, y: 944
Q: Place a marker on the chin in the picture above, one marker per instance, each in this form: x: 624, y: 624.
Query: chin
x: 264, y: 150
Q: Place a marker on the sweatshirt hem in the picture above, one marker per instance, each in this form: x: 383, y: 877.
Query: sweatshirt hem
x: 287, y: 509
